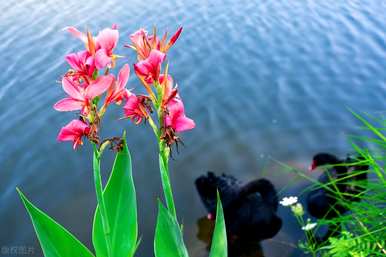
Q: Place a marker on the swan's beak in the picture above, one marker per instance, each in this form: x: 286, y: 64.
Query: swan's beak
x: 312, y: 167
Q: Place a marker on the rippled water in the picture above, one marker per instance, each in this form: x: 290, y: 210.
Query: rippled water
x: 268, y: 79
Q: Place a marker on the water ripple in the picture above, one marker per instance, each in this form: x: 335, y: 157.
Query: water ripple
x: 267, y: 80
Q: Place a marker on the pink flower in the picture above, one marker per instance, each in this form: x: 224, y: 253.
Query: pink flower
x: 176, y: 117
x: 81, y: 96
x: 86, y: 38
x: 82, y: 63
x: 74, y: 131
x: 140, y: 43
x: 144, y: 43
x: 168, y: 91
x: 106, y: 41
x: 166, y: 84
x: 118, y: 92
x: 136, y: 108
x: 101, y: 46
x: 149, y: 69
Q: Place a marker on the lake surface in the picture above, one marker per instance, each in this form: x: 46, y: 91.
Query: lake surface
x: 264, y: 80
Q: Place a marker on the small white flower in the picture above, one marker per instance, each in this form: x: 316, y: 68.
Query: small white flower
x: 309, y: 226
x: 287, y: 201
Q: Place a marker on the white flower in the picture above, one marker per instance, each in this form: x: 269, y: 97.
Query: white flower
x: 309, y: 226
x: 287, y: 201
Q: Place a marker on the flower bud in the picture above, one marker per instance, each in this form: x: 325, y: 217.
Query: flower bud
x: 297, y: 209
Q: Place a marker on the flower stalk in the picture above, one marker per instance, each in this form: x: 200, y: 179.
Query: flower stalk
x: 100, y: 199
x: 166, y: 185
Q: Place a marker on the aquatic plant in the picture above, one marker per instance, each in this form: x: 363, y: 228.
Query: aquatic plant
x: 91, y: 88
x: 361, y: 231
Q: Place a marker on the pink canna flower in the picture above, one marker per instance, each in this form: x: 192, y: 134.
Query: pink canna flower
x: 118, y: 92
x: 168, y: 91
x: 149, y: 69
x: 86, y: 38
x: 106, y: 41
x: 176, y: 118
x: 101, y: 46
x: 140, y: 43
x: 82, y: 64
x: 81, y: 96
x: 175, y: 114
x: 74, y: 131
x: 144, y: 43
x: 136, y: 108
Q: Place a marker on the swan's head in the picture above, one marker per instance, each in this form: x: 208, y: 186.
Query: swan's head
x: 322, y: 159
x: 207, y: 189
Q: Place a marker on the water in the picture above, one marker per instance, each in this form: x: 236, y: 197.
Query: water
x: 263, y: 80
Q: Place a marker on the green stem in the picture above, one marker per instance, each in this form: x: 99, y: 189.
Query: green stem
x: 100, y: 199
x: 166, y: 185
x: 163, y: 151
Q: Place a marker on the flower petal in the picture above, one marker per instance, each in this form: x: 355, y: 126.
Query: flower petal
x: 137, y: 37
x: 156, y: 58
x: 102, y: 59
x: 68, y: 104
x: 76, y: 33
x: 73, y: 61
x: 123, y: 76
x: 131, y: 105
x: 174, y: 38
x: 74, y: 131
x: 71, y: 88
x: 177, y: 118
x: 142, y: 68
x: 99, y: 86
x: 168, y: 85
x: 65, y: 135
x: 183, y: 123
x: 107, y: 39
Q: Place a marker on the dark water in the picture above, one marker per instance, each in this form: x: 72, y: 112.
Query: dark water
x: 268, y: 79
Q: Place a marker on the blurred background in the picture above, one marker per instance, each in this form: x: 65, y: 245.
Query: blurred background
x: 264, y: 80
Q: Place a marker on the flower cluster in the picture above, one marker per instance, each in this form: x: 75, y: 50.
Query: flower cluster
x: 87, y: 80
x: 288, y: 201
x: 292, y: 201
x: 91, y: 87
x: 151, y: 54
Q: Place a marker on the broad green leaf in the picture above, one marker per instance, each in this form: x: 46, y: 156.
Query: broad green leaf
x: 120, y: 200
x: 55, y: 240
x: 219, y: 240
x: 168, y: 240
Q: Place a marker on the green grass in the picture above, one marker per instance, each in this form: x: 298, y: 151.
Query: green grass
x: 364, y: 226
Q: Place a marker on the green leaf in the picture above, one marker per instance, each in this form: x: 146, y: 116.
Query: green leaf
x: 219, y: 241
x: 168, y: 236
x: 121, y: 207
x: 55, y: 240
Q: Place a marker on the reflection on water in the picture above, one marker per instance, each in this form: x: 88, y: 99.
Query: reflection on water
x: 263, y: 80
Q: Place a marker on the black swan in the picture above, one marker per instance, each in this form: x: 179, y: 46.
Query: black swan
x: 330, y: 202
x: 249, y: 209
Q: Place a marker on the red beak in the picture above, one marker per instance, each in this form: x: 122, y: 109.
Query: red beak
x: 312, y: 166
